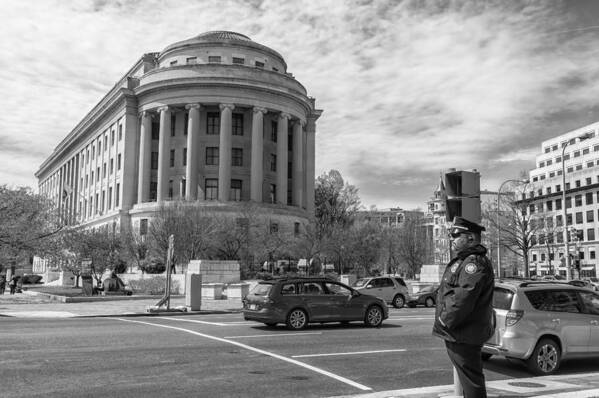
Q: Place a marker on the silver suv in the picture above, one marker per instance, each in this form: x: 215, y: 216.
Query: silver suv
x: 543, y: 322
x: 392, y: 289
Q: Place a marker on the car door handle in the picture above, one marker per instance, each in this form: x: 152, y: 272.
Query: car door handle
x: 556, y: 320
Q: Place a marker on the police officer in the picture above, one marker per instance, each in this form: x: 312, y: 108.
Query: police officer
x: 464, y: 316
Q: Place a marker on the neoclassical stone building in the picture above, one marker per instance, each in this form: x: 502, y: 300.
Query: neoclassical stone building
x: 215, y: 120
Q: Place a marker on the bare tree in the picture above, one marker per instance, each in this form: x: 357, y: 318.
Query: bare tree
x: 412, y: 245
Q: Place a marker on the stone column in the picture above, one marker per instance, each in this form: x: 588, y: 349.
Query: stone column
x: 257, y: 168
x: 282, y: 158
x: 164, y: 153
x: 310, y: 164
x: 193, y: 135
x: 145, y: 158
x: 298, y: 165
x: 224, y: 152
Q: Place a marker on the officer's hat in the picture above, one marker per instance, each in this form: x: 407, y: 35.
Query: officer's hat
x: 462, y: 225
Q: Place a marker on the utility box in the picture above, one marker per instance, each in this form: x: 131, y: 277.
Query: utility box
x: 193, y: 291
x: 87, y: 283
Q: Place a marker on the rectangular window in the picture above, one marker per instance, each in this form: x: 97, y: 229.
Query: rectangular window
x: 592, y: 254
x: 103, y: 170
x: 103, y: 201
x: 214, y: 59
x: 235, y: 190
x: 273, y: 162
x: 541, y: 164
x: 273, y: 131
x: 184, y: 156
x: 154, y: 162
x: 259, y: 64
x: 143, y: 226
x: 173, y: 124
x: 576, y: 154
x: 111, y: 166
x: 191, y: 60
x: 549, y: 205
x: 92, y: 178
x: 120, y: 132
x: 173, y: 63
x: 155, y: 130
x: 558, y: 159
x: 212, y: 156
x: 153, y: 190
x: 109, y: 198
x: 549, y: 162
x: 548, y: 190
x: 547, y: 149
x: 170, y: 189
x: 272, y: 194
x: 590, y: 216
x: 296, y: 228
x: 118, y: 162
x: 585, y: 151
x: 531, y: 209
x: 112, y: 138
x: 566, y: 157
x: 186, y: 125
x: 238, y: 61
x: 579, y: 217
x: 183, y: 187
x: 211, y: 189
x: 578, y: 200
x: 568, y: 202
x: 568, y: 219
x: 570, y: 169
x: 237, y: 124
x: 589, y: 198
x: 237, y: 157
x: 117, y: 197
x: 213, y: 123
x: 172, y: 159
x: 590, y: 164
x: 554, y: 147
x: 578, y: 167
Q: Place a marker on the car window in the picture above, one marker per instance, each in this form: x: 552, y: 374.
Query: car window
x: 334, y: 288
x: 554, y: 300
x: 400, y: 281
x: 262, y: 289
x: 288, y: 288
x: 591, y: 302
x: 312, y: 288
x: 385, y: 282
x: 502, y: 298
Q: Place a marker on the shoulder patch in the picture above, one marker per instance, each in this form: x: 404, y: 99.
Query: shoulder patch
x: 454, y: 267
x: 471, y: 268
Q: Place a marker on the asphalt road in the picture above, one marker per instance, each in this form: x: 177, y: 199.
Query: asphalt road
x: 225, y: 356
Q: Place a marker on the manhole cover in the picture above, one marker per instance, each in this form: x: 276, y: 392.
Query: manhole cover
x: 525, y: 384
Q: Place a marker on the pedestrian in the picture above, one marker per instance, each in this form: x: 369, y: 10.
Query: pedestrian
x: 464, y: 316
x: 2, y: 283
x: 13, y: 284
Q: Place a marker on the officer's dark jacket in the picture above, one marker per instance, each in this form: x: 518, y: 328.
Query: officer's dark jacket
x: 464, y: 301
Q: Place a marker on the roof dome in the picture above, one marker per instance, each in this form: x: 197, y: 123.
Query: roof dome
x: 222, y: 35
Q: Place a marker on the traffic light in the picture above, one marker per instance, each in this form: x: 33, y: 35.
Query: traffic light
x: 463, y: 195
x: 573, y: 235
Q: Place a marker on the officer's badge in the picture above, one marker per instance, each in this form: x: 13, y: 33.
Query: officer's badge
x: 454, y: 267
x: 471, y: 268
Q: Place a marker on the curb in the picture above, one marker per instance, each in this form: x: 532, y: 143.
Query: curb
x: 92, y: 299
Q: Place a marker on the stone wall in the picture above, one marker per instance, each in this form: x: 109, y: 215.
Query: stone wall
x: 216, y: 271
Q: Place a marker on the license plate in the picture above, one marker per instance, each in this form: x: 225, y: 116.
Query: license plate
x: 252, y: 306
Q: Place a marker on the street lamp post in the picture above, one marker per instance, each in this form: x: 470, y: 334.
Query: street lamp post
x: 564, y: 213
x: 499, y: 225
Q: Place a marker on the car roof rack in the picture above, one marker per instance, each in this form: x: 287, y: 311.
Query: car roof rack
x: 545, y: 282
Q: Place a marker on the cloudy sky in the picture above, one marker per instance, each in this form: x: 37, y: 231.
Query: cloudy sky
x: 408, y: 88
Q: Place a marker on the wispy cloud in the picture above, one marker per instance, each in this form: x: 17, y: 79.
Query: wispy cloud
x: 408, y: 88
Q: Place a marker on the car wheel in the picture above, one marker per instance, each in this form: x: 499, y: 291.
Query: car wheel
x: 429, y: 302
x: 485, y: 356
x: 398, y: 301
x: 374, y: 316
x: 270, y: 324
x: 545, y: 358
x: 297, y: 319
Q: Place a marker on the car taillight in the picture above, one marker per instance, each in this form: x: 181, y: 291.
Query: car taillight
x: 512, y: 317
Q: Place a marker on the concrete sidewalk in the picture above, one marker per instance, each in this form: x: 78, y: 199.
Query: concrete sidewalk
x: 28, y: 305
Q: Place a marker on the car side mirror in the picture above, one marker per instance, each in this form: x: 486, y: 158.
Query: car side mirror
x: 355, y: 293
x: 368, y: 286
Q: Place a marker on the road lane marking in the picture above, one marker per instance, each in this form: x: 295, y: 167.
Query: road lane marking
x: 409, y: 319
x: 193, y: 321
x: 347, y: 353
x: 250, y: 348
x: 269, y: 335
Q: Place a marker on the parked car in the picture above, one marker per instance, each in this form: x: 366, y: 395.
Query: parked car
x: 544, y: 322
x: 581, y: 283
x: 297, y: 302
x: 426, y: 296
x: 594, y: 282
x: 392, y: 289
